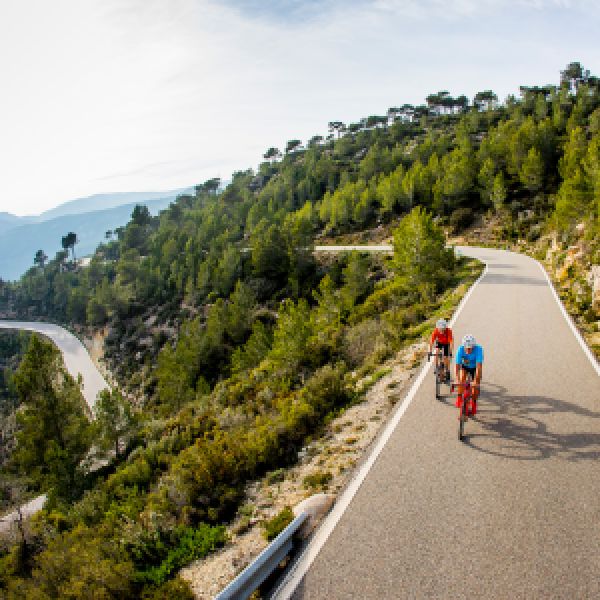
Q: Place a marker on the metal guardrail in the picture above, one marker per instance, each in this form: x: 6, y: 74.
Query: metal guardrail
x: 264, y: 564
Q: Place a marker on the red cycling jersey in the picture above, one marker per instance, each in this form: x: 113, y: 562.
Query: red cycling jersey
x: 443, y: 337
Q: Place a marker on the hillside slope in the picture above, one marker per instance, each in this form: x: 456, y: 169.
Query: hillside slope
x: 237, y: 346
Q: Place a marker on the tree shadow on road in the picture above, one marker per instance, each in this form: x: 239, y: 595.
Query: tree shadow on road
x: 507, y: 279
x: 502, y: 266
x: 533, y: 427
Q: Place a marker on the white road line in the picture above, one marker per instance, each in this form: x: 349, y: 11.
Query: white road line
x: 291, y: 582
x: 569, y: 320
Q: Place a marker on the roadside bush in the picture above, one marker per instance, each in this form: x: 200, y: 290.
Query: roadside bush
x: 389, y: 294
x: 273, y: 527
x: 275, y: 476
x: 83, y: 563
x: 177, y: 589
x: 317, y: 480
x: 327, y: 389
x: 189, y: 544
x: 359, y: 341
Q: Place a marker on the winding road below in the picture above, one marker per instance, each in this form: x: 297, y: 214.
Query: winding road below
x: 78, y: 362
x: 75, y: 356
x: 514, y: 511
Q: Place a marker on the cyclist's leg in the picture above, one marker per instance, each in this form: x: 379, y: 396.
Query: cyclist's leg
x: 437, y: 357
x: 439, y: 365
x: 461, y: 386
x: 447, y: 361
x: 471, y: 407
x: 477, y: 381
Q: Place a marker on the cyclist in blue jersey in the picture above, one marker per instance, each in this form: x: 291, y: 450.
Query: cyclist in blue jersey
x: 469, y: 359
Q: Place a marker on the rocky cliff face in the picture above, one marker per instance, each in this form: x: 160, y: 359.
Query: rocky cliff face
x: 573, y: 267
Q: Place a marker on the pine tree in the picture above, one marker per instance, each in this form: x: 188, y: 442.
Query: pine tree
x: 114, y: 419
x: 356, y: 281
x: 498, y: 193
x: 55, y: 434
x: 532, y: 170
x: 420, y: 253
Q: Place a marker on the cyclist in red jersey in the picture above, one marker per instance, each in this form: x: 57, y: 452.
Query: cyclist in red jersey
x: 442, y: 338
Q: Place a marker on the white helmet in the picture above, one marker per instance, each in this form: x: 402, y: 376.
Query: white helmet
x: 441, y: 324
x: 468, y: 341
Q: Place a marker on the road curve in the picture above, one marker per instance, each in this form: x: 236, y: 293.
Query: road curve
x: 514, y: 511
x: 78, y: 362
x: 76, y: 358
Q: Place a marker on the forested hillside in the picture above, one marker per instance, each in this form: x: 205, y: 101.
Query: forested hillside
x: 12, y: 348
x: 41, y: 237
x: 239, y: 344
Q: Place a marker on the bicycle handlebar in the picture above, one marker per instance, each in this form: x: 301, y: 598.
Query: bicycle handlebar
x: 436, y: 353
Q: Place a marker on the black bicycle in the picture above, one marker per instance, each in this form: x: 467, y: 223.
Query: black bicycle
x: 439, y: 370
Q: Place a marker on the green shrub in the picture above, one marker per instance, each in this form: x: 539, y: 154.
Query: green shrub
x: 390, y: 293
x: 317, y: 480
x: 327, y: 389
x: 359, y: 341
x: 175, y: 589
x: 191, y: 544
x: 369, y: 382
x: 247, y: 510
x: 273, y: 527
x: 275, y: 476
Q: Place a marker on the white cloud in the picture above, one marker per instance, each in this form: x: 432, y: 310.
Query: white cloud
x: 127, y: 95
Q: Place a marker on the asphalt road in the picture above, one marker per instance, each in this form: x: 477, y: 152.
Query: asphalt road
x: 512, y: 512
x: 78, y: 362
x: 76, y: 358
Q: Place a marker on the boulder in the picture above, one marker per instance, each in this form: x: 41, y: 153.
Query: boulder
x: 317, y: 506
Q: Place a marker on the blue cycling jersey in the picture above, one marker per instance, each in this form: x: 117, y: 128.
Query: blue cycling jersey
x: 472, y: 359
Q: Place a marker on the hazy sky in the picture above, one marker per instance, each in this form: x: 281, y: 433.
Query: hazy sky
x: 137, y: 95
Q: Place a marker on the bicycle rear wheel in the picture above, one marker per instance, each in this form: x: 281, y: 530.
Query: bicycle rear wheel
x: 467, y: 398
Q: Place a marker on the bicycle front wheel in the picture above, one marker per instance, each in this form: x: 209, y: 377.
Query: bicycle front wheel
x: 461, y: 420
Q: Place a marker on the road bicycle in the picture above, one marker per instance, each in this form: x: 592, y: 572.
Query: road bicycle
x: 439, y: 370
x: 468, y: 405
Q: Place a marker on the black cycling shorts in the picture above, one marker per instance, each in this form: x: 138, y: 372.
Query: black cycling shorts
x: 470, y: 371
x: 444, y: 347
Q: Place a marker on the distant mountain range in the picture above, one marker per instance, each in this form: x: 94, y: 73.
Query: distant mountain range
x: 8, y: 221
x: 89, y: 218
x: 106, y: 201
